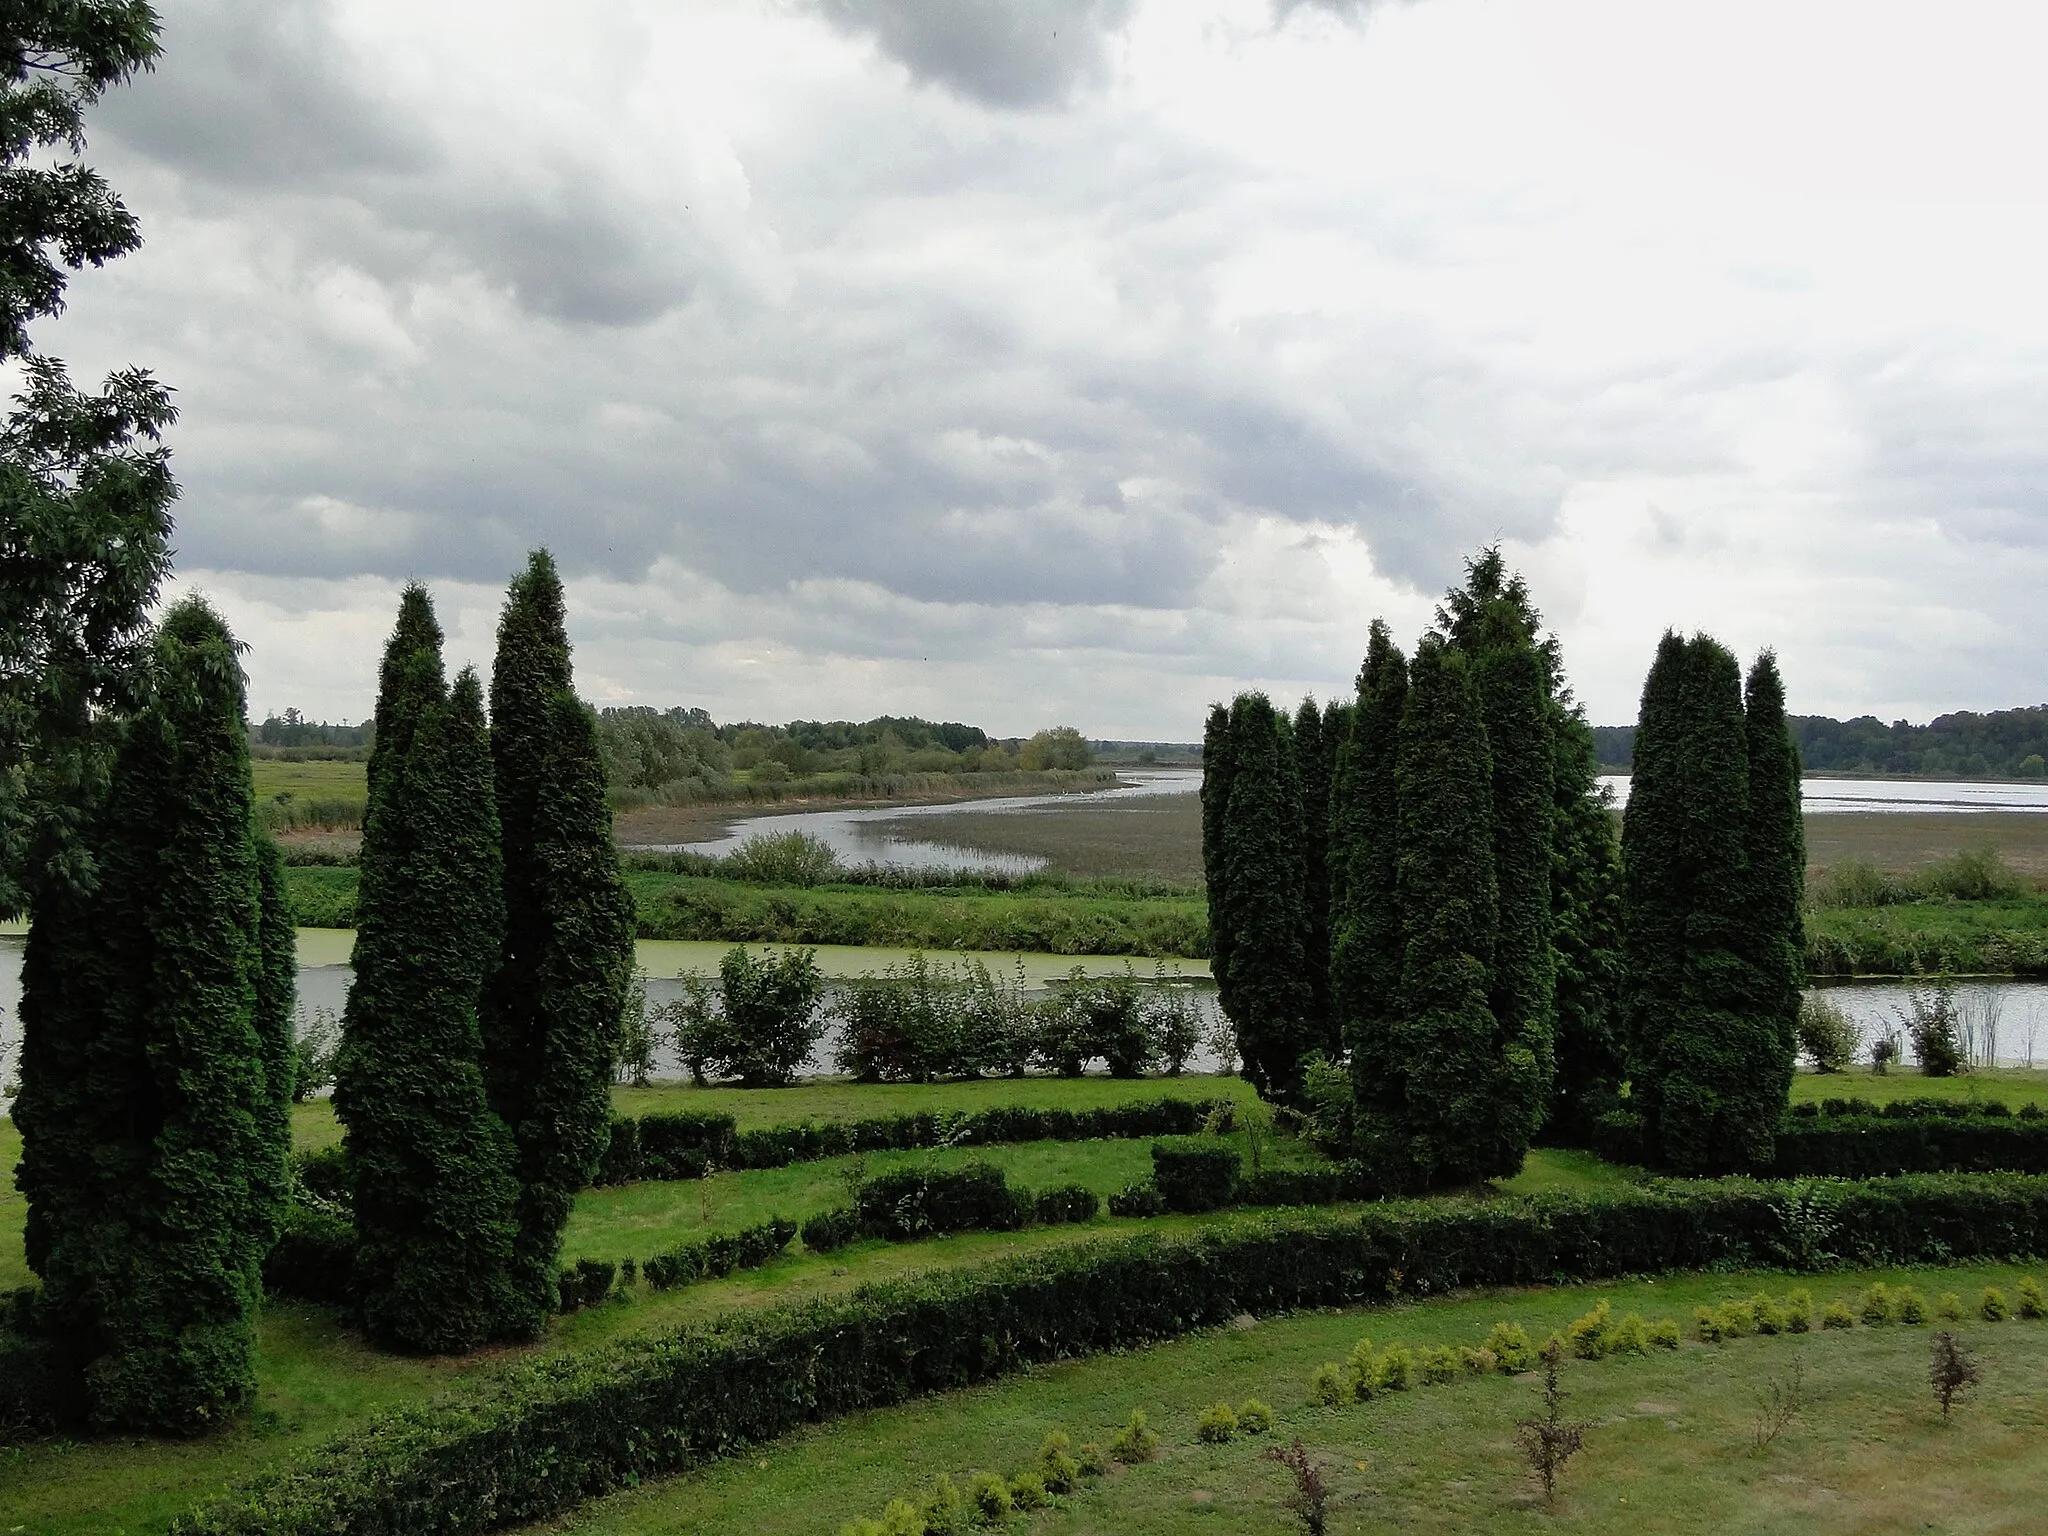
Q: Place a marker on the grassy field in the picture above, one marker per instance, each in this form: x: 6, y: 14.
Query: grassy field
x: 1668, y: 1447
x: 1922, y: 936
x: 1912, y: 840
x: 1156, y: 836
x: 309, y: 781
x: 2013, y: 1086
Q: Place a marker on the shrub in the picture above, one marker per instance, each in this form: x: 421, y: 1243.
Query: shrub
x: 1876, y: 1306
x: 1216, y: 1424
x: 587, y: 1284
x: 1949, y: 1308
x: 988, y: 1499
x: 1735, y: 1319
x: 1663, y: 1334
x: 1950, y: 1369
x: 1838, y: 1315
x: 1028, y: 1492
x: 1589, y: 1334
x: 763, y: 1024
x: 1328, y: 1385
x: 1056, y: 1463
x: 1305, y: 1186
x: 1932, y: 1024
x: 1799, y: 1312
x: 1992, y: 1305
x: 1867, y: 1145
x: 1437, y: 1364
x: 717, y: 1256
x: 1137, y: 1200
x: 1510, y: 1345
x: 1068, y: 1203
x: 1478, y: 1362
x: 829, y: 1230
x: 1826, y: 1034
x: 1092, y: 1459
x: 908, y: 1024
x: 1395, y: 1369
x: 313, y: 1258
x: 909, y: 1203
x: 1135, y: 1442
x: 2032, y: 1306
x: 1254, y: 1417
x: 1910, y: 1306
x: 1194, y: 1173
x: 945, y: 1508
x: 1362, y: 1370
x: 1770, y: 1317
x: 1310, y: 1499
x: 1631, y: 1336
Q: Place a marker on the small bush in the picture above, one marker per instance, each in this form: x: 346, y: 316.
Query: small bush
x: 1137, y: 1200
x: 1935, y: 1028
x: 1479, y: 1362
x: 988, y: 1499
x: 763, y: 1024
x: 1736, y: 1319
x: 589, y: 1283
x: 1254, y: 1417
x: 1194, y: 1173
x: 1950, y: 1369
x: 1826, y: 1034
x: 1028, y: 1492
x: 1362, y: 1370
x: 1136, y: 1442
x: 1092, y: 1459
x: 1589, y: 1334
x: 902, y: 1518
x: 1396, y: 1369
x: 1216, y: 1424
x: 1510, y: 1345
x: 715, y: 1257
x: 1876, y: 1307
x: 829, y: 1230
x: 910, y: 1203
x: 1067, y: 1204
x: 1910, y: 1306
x: 1706, y: 1323
x: 1799, y: 1311
x: 945, y: 1508
x: 1770, y: 1317
x: 1949, y: 1309
x: 1630, y: 1336
x: 1056, y: 1463
x: 1328, y: 1385
x: 1838, y: 1315
x: 1437, y: 1364
x: 1992, y: 1305
x: 1310, y: 1499
x: 1664, y: 1334
x: 2032, y: 1305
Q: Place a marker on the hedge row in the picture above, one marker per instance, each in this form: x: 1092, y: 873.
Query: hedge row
x: 1916, y: 1109
x: 1864, y: 1146
x: 911, y: 1203
x: 715, y: 1257
x: 686, y: 1146
x: 545, y: 1436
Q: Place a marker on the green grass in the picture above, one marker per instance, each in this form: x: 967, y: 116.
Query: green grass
x: 14, y: 1271
x: 1920, y: 937
x: 1668, y: 1450
x: 310, y: 781
x: 2014, y: 1086
x: 1556, y: 1170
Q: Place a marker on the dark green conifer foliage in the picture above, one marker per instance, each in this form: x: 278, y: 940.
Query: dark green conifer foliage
x: 1432, y: 1119
x: 1216, y: 777
x: 552, y: 1009
x: 151, y: 1212
x: 430, y: 1164
x: 1267, y: 996
x: 1365, y: 915
x: 1312, y: 754
x: 1705, y: 1051
x: 1585, y: 936
x: 1777, y: 856
x: 277, y: 984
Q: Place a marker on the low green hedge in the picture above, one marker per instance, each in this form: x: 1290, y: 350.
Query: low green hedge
x: 542, y: 1437
x: 715, y: 1257
x: 1914, y: 1109
x: 1194, y: 1173
x: 1865, y: 1146
x: 686, y: 1146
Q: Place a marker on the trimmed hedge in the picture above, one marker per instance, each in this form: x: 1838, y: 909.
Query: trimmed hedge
x: 1914, y: 1109
x: 1306, y: 1186
x: 909, y: 1203
x: 715, y: 1257
x: 1865, y: 1146
x: 831, y: 1229
x: 1066, y: 1204
x: 1193, y: 1174
x: 313, y: 1258
x: 686, y: 1146
x: 539, y: 1438
x: 585, y: 1285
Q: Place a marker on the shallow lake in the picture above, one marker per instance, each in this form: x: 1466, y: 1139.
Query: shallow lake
x: 1835, y: 797
x: 2002, y: 1022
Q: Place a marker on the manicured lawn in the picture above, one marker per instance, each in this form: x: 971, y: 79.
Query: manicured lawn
x: 2010, y: 1085
x: 1669, y: 1447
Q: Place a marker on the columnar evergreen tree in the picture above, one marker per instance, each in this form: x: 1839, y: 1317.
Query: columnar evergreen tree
x: 151, y: 1160
x: 1430, y: 1116
x: 1264, y: 989
x: 1365, y: 914
x: 1313, y: 748
x: 552, y: 1009
x: 1215, y: 793
x: 1705, y: 1053
x: 1585, y: 935
x: 431, y: 1165
x: 1777, y: 858
x: 277, y: 984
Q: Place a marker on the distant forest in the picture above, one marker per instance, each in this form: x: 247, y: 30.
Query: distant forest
x: 2004, y: 744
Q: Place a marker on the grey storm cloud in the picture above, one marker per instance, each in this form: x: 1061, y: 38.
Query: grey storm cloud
x: 1003, y: 53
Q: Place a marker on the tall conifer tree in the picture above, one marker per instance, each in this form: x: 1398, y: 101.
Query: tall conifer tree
x: 1430, y: 1117
x: 277, y: 984
x: 1777, y: 858
x: 1215, y: 795
x: 1704, y: 1053
x: 1365, y: 915
x: 150, y: 1236
x: 1313, y: 730
x: 431, y: 1165
x: 1267, y: 995
x: 552, y: 1020
x: 1586, y: 936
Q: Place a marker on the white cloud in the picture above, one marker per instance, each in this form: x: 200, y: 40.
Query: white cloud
x: 1088, y: 359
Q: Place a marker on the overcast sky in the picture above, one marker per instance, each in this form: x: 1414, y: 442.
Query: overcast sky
x: 1033, y: 361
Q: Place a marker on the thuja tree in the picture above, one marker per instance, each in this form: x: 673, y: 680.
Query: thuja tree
x: 1365, y: 916
x: 1585, y: 936
x: 1776, y: 848
x: 429, y: 1162
x: 551, y: 1023
x: 277, y: 982
x: 1264, y: 988
x: 1313, y: 747
x: 1432, y: 1117
x: 1706, y: 1051
x: 153, y: 1158
x: 1215, y: 795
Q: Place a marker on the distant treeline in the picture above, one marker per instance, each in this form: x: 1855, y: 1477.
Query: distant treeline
x: 684, y: 754
x: 2004, y: 744
x: 292, y: 735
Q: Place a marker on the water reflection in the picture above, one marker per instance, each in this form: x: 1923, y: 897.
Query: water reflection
x: 1832, y: 797
x: 2002, y: 1022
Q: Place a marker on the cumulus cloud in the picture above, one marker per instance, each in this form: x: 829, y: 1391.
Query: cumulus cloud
x: 1087, y: 360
